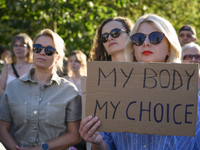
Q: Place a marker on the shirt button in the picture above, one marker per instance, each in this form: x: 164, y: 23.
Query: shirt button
x: 34, y: 128
x: 35, y: 112
x: 40, y: 99
x: 145, y: 146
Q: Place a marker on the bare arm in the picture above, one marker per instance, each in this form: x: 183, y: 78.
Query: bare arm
x: 72, y: 137
x: 88, y: 132
x: 5, y: 136
x: 4, y: 75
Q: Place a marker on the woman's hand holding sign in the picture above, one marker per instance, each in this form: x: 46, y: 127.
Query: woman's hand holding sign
x: 88, y: 132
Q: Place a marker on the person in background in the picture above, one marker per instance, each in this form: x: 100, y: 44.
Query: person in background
x: 77, y: 68
x: 191, y: 54
x: 21, y: 63
x: 46, y: 109
x: 153, y: 39
x: 6, y: 56
x: 64, y: 71
x: 110, y: 39
x: 186, y: 34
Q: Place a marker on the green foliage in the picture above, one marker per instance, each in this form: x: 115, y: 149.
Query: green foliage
x: 76, y: 20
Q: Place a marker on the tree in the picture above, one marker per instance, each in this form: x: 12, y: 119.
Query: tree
x: 76, y: 20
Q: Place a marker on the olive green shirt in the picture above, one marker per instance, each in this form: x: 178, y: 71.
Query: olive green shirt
x: 40, y: 114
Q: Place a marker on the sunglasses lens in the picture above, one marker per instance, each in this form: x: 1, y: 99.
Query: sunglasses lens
x: 187, y: 57
x: 115, y: 33
x: 156, y: 37
x: 49, y: 51
x: 37, y: 48
x: 138, y: 39
x: 104, y: 37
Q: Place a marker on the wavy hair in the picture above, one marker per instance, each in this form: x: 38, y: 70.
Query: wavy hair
x: 98, y: 50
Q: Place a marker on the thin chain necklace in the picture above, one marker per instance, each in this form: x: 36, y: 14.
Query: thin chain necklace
x: 19, y: 67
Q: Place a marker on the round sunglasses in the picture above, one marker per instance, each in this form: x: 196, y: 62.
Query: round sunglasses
x: 154, y: 37
x: 37, y: 48
x: 114, y: 33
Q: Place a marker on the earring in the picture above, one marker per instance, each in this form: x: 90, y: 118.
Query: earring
x: 105, y: 55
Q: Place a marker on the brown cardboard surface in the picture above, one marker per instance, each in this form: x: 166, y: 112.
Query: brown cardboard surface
x: 145, y: 98
x: 83, y: 95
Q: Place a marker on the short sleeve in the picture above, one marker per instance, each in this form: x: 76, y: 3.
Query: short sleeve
x: 4, y: 109
x: 74, y: 109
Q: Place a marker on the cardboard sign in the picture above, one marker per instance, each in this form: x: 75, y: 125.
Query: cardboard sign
x: 145, y: 98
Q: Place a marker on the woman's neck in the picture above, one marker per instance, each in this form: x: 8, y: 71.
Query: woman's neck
x: 20, y: 61
x: 42, y: 76
x: 76, y: 76
x: 119, y: 57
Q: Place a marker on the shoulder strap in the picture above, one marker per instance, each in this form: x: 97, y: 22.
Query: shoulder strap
x: 15, y: 71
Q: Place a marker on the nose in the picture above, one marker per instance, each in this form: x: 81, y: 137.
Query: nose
x: 110, y: 37
x: 193, y: 59
x: 42, y: 52
x: 146, y: 41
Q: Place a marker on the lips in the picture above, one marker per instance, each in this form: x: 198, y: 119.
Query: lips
x: 111, y: 44
x: 147, y: 53
x: 41, y: 59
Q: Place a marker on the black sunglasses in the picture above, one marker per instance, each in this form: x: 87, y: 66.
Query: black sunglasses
x: 190, y: 56
x: 114, y: 33
x: 154, y: 37
x: 37, y: 48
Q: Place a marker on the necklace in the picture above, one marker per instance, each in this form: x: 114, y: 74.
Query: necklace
x: 19, y: 67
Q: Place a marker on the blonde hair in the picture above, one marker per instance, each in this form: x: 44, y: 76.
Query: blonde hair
x: 25, y: 39
x: 163, y: 26
x: 190, y: 45
x: 82, y: 59
x: 59, y: 45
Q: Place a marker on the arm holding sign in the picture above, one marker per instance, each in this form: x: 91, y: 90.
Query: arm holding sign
x: 88, y: 132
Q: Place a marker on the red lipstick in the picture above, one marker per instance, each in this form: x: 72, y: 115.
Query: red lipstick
x: 147, y: 52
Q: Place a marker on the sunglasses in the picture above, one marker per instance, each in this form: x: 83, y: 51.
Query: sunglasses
x: 182, y: 35
x: 189, y: 57
x: 37, y: 48
x: 114, y: 33
x: 20, y: 46
x: 154, y: 37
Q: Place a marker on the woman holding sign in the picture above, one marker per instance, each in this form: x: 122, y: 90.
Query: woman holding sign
x: 153, y: 39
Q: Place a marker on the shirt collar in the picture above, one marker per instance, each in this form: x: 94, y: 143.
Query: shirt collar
x: 54, y: 77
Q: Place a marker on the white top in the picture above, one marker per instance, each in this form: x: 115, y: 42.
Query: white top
x: 10, y: 77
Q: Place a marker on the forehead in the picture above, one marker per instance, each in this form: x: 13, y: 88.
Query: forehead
x: 72, y: 57
x: 18, y: 42
x: 185, y: 32
x: 192, y: 50
x: 112, y: 25
x: 45, y: 41
x: 146, y: 28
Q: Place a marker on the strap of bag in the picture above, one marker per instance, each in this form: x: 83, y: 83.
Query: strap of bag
x: 15, y: 71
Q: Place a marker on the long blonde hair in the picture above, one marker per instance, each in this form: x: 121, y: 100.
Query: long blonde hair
x: 163, y: 26
x: 82, y: 59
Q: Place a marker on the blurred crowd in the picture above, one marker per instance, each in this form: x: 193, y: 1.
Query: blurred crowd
x: 40, y: 88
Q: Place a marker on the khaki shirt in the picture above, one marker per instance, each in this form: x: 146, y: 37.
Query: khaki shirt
x: 40, y: 114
